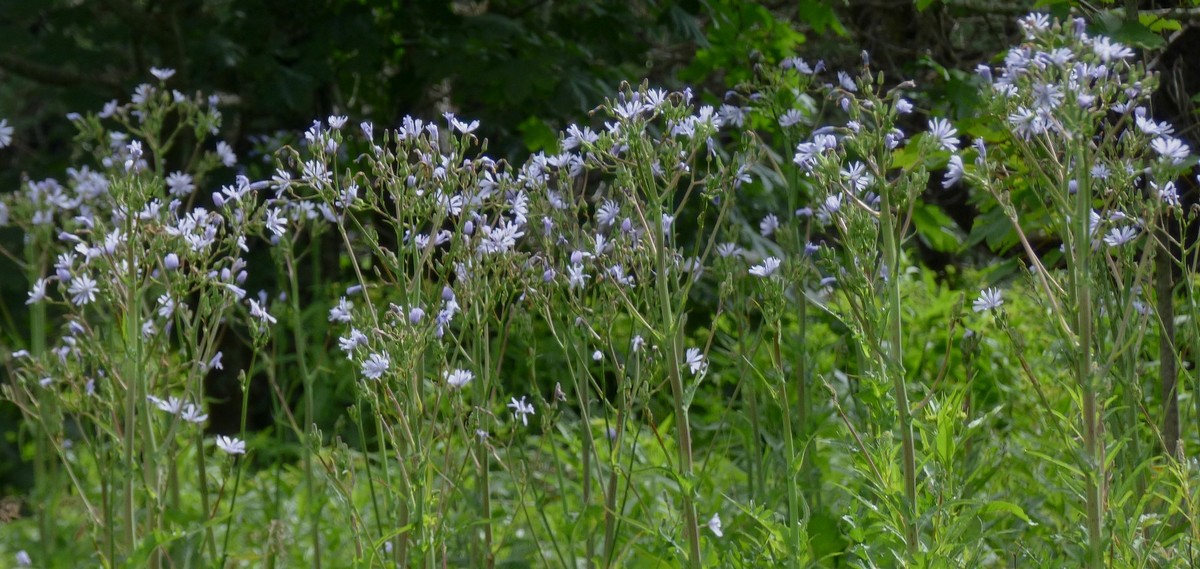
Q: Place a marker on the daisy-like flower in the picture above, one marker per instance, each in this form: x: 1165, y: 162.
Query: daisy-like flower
x: 576, y: 278
x: 83, y: 290
x: 766, y: 268
x: 225, y: 154
x: 162, y: 73
x: 1118, y: 236
x: 38, y: 292
x: 23, y: 559
x: 790, y: 118
x: 607, y: 214
x: 231, y: 445
x: 193, y: 414
x: 521, y: 410
x: 695, y: 361
x: 768, y: 225
x: 944, y: 134
x: 714, y: 525
x: 171, y: 405
x: 376, y: 365
x: 1170, y: 148
x: 1108, y: 50
x: 336, y: 122
x: 341, y: 312
x: 989, y: 299
x: 954, y: 171
x: 351, y: 341
x: 458, y: 378
x: 6, y: 133
x: 180, y: 184
x: 259, y: 312
x: 275, y: 222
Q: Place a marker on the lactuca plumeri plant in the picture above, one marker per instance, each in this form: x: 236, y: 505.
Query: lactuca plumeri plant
x: 145, y: 280
x: 454, y: 251
x: 1075, y: 157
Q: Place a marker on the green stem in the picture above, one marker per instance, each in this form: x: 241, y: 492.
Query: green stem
x: 309, y: 412
x: 893, y: 366
x: 675, y: 355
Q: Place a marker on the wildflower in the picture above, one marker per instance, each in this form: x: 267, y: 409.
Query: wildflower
x: 83, y: 290
x: 6, y: 133
x: 231, y: 445
x: 576, y: 277
x: 846, y: 82
x: 225, y: 153
x: 192, y: 414
x: 607, y: 214
x: 597, y: 355
x: 352, y: 340
x: 341, y: 312
x: 768, y: 225
x: 790, y: 118
x: 954, y: 171
x: 1118, y: 236
x: 259, y: 312
x: 521, y: 410
x: 336, y: 122
x: 375, y: 366
x: 714, y: 525
x: 1108, y: 50
x: 38, y: 292
x: 1168, y: 193
x: 768, y: 266
x: 458, y: 378
x: 23, y: 559
x: 944, y: 134
x: 171, y: 405
x: 903, y: 107
x: 162, y: 73
x: 275, y: 222
x: 695, y: 361
x: 989, y: 299
x: 728, y: 249
x: 1170, y: 148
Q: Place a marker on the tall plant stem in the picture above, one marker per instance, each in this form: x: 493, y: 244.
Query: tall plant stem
x: 674, y: 336
x: 894, y: 367
x: 309, y: 412
x: 793, y: 499
x: 42, y: 460
x: 1167, y: 372
x: 1083, y: 368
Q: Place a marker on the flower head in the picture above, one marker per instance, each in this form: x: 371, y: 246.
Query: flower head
x: 695, y: 361
x: 458, y: 378
x: 989, y: 299
x: 521, y: 409
x: 944, y: 134
x: 231, y: 445
x: 376, y: 365
x: 714, y: 525
x: 768, y: 266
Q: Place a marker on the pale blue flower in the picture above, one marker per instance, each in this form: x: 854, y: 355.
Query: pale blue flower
x: 231, y: 445
x: 989, y: 299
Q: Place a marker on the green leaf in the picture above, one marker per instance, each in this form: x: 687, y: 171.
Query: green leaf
x: 1008, y: 508
x: 935, y: 229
